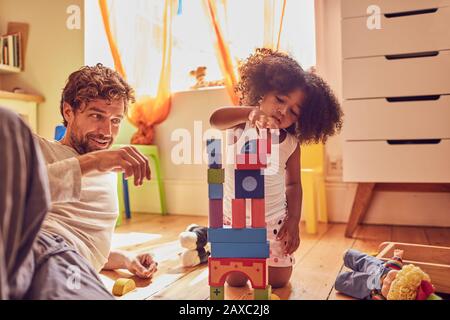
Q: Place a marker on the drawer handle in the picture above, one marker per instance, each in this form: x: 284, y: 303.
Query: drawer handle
x: 412, y: 55
x: 414, y: 98
x: 410, y: 13
x: 417, y: 141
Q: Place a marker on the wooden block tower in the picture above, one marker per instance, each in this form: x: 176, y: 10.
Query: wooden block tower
x: 241, y: 248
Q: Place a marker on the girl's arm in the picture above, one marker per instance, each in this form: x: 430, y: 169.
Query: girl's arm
x: 229, y: 117
x: 294, y: 185
x: 290, y: 229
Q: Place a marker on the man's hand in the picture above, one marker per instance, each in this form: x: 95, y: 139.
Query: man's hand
x: 290, y: 235
x: 142, y: 265
x: 128, y: 160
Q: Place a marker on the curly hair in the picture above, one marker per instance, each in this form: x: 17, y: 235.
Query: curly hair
x: 320, y: 114
x: 97, y: 82
x: 268, y: 70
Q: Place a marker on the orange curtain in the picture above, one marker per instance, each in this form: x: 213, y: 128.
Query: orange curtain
x: 223, y: 50
x: 148, y: 110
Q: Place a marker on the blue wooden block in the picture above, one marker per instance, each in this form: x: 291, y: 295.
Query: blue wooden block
x: 239, y: 250
x: 248, y: 184
x: 213, y: 146
x: 215, y: 161
x: 215, y: 191
x: 247, y: 235
x: 250, y: 147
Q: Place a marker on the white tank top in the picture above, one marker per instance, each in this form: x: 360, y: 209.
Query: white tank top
x: 274, y: 175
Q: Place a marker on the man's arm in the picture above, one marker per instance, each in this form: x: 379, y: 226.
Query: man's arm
x: 141, y: 265
x: 65, y: 175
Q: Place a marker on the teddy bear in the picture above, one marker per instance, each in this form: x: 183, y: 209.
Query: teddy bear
x: 194, y: 240
x: 200, y: 74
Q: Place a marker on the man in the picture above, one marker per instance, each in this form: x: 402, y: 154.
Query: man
x: 74, y: 242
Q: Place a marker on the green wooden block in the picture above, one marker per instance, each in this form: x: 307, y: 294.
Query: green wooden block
x: 216, y: 293
x: 262, y: 294
x: 216, y: 176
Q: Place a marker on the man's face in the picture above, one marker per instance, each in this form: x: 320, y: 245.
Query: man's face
x: 95, y: 125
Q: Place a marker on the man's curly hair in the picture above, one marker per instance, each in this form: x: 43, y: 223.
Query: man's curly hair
x: 96, y: 82
x: 267, y: 70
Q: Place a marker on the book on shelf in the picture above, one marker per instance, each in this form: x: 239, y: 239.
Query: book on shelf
x: 10, y: 50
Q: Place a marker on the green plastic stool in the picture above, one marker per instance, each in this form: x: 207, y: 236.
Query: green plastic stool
x: 150, y: 151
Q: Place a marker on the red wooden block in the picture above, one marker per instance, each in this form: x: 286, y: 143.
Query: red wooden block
x: 238, y: 213
x: 216, y: 213
x: 251, y: 161
x: 265, y: 143
x: 258, y: 213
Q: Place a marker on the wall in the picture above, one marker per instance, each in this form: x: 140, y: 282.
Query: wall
x: 53, y: 52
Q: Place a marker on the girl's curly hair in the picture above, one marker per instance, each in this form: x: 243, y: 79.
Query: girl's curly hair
x: 96, y: 82
x: 264, y: 71
x: 267, y: 70
x: 320, y: 114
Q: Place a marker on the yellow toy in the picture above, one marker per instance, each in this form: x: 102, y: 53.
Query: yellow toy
x: 122, y: 286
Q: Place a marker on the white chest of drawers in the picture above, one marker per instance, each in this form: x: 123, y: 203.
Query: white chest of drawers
x: 396, y: 88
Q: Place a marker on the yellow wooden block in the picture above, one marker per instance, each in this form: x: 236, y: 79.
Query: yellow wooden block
x: 122, y: 286
x: 273, y: 296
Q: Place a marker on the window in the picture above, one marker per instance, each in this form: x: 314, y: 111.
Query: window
x: 193, y: 40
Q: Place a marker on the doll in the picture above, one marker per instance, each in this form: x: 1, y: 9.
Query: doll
x: 373, y: 278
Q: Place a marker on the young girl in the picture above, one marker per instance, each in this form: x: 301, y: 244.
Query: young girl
x: 276, y: 93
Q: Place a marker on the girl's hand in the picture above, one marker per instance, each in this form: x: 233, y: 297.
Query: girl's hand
x: 261, y: 120
x: 289, y: 233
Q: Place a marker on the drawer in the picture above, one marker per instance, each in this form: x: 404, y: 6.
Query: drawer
x: 406, y: 34
x: 384, y: 76
x: 358, y: 8
x: 379, y: 161
x: 419, y: 118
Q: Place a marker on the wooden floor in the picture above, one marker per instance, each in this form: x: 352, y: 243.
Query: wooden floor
x: 318, y: 260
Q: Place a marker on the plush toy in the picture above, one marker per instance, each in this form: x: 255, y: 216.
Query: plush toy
x: 373, y: 278
x: 194, y: 240
x: 200, y: 74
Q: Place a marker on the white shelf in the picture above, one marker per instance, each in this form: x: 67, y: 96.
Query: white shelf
x: 8, y: 69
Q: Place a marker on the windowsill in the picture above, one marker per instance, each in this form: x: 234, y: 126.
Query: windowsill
x: 199, y: 90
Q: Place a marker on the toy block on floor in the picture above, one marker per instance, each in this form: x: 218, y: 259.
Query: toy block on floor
x: 238, y: 213
x: 216, y: 176
x: 123, y: 286
x: 263, y: 294
x: 247, y: 235
x: 216, y: 293
x: 258, y: 213
x: 255, y: 269
x: 215, y: 191
x: 239, y: 250
x: 216, y: 213
x: 249, y: 184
